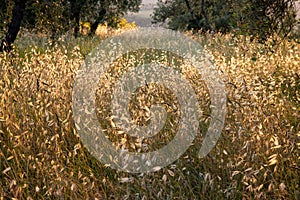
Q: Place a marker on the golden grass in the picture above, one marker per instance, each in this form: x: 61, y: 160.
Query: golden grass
x: 257, y: 156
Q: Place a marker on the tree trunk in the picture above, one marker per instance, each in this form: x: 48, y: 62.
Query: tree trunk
x: 187, y: 3
x: 14, y: 27
x: 205, y: 16
x: 76, y: 6
x: 99, y: 19
x: 77, y: 24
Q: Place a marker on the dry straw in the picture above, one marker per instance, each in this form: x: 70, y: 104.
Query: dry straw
x: 257, y: 156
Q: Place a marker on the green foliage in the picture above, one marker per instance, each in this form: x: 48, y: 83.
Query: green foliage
x: 58, y: 16
x: 206, y: 15
x: 5, y: 15
x: 263, y: 18
x: 259, y: 18
x: 52, y: 17
x: 100, y: 11
x: 42, y: 16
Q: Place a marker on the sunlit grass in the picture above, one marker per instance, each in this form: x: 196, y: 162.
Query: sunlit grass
x: 257, y: 157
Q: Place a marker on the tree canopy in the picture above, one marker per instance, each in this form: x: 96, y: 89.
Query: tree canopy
x: 57, y: 16
x: 260, y: 18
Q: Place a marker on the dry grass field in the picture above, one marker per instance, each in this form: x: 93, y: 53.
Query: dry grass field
x: 257, y: 156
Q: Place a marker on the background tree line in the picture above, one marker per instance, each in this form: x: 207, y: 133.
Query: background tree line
x: 54, y: 17
x: 258, y: 18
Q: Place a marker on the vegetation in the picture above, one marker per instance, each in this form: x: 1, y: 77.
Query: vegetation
x: 260, y: 18
x: 257, y: 157
x: 59, y: 16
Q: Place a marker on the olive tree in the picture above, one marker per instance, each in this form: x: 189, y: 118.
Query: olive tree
x: 258, y: 18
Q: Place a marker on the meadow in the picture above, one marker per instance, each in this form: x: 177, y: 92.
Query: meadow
x: 257, y: 156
